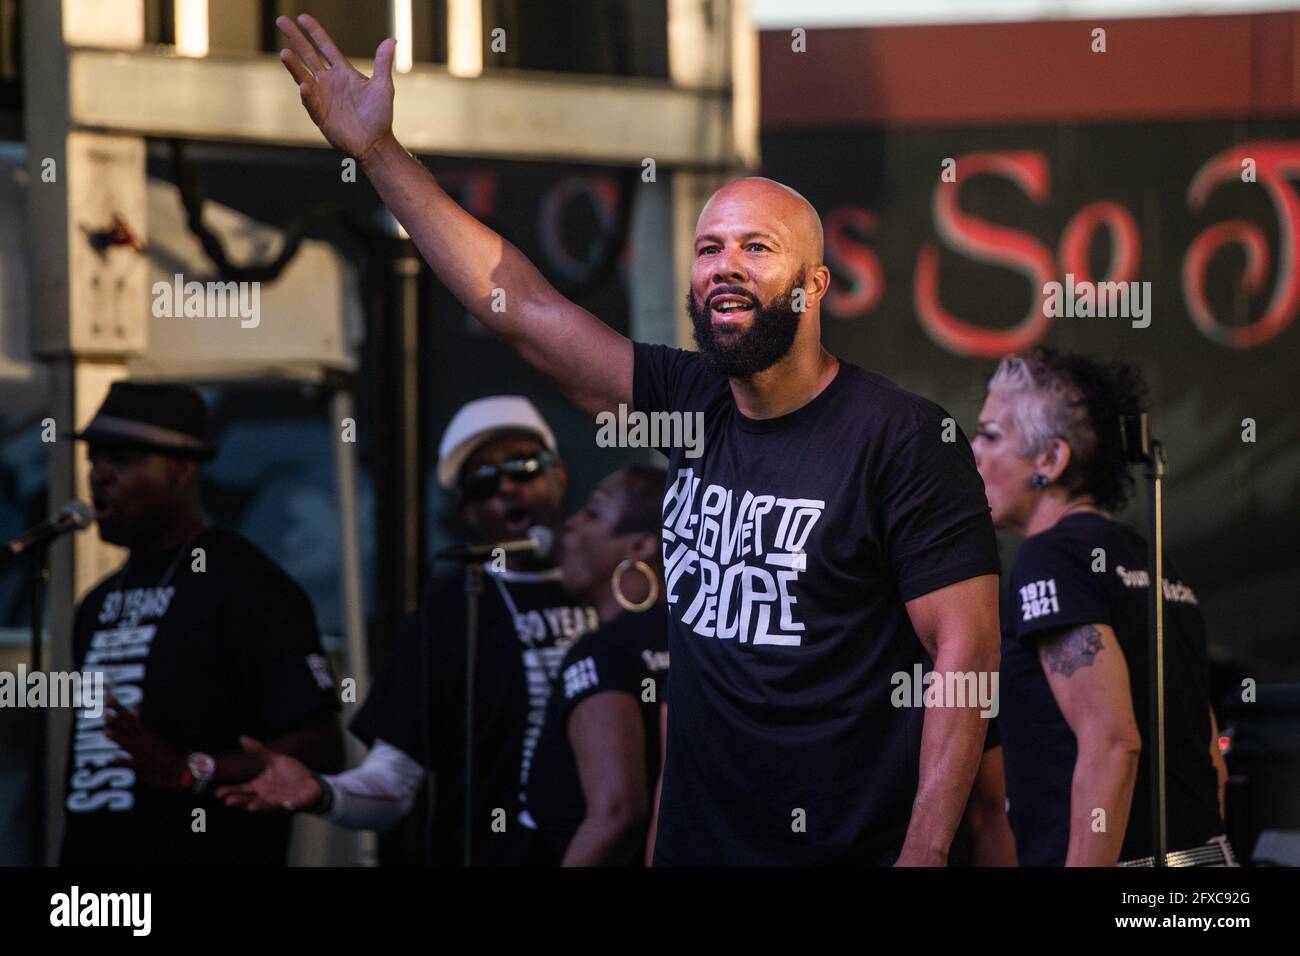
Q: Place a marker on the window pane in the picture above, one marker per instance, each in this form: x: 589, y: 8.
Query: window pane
x: 615, y: 37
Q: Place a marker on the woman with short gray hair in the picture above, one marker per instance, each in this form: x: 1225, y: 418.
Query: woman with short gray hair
x: 1074, y: 700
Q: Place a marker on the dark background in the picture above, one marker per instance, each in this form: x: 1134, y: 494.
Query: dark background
x: 1232, y: 509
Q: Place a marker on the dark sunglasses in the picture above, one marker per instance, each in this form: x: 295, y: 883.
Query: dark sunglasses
x: 483, y: 481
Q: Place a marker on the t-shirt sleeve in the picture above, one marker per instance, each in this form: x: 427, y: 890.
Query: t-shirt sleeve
x: 666, y: 379
x: 933, y: 515
x: 593, y: 666
x: 284, y: 670
x: 1053, y: 586
x: 396, y: 707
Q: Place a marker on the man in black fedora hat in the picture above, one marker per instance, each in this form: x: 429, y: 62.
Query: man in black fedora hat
x: 201, y: 638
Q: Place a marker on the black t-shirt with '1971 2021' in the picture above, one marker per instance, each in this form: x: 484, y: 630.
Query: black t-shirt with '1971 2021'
x: 208, y: 651
x: 1053, y: 585
x: 791, y: 546
x: 628, y: 655
x: 527, y: 621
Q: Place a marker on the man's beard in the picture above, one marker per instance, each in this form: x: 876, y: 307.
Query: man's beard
x: 744, y: 354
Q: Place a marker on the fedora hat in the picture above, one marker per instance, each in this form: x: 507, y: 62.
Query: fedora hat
x: 171, y: 419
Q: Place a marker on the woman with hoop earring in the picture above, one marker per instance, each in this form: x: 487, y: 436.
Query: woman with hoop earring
x: 594, y: 772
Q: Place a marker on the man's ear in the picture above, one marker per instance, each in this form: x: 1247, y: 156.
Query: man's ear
x: 561, y: 477
x: 1052, y: 461
x: 818, y: 284
x: 185, y: 474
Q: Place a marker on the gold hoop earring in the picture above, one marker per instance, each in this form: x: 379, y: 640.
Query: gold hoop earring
x: 645, y: 569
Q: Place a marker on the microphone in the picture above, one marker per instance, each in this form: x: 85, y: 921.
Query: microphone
x: 74, y: 517
x: 539, y: 542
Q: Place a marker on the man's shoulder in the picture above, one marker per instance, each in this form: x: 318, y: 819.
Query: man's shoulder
x: 667, y: 353
x: 683, y: 372
x: 882, y: 403
x: 239, y: 559
x: 95, y: 596
x: 106, y: 583
x: 890, y: 396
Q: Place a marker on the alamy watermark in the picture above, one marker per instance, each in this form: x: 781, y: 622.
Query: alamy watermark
x: 133, y: 911
x: 923, y: 688
x: 1126, y: 300
x: 208, y: 300
x: 651, y: 430
x: 79, y: 690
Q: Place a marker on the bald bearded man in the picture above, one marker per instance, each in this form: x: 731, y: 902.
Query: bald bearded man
x: 829, y: 543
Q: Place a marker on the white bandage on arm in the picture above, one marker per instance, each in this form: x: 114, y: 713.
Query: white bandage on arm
x: 377, y: 794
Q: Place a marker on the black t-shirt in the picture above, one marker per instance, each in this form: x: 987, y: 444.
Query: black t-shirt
x: 622, y: 656
x: 526, y: 623
x: 1052, y: 586
x: 206, y: 656
x: 790, y: 546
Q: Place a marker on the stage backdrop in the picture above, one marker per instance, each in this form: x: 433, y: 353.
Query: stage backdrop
x: 940, y: 243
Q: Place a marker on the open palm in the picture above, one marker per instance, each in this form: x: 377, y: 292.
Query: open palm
x: 284, y: 783
x: 354, y: 111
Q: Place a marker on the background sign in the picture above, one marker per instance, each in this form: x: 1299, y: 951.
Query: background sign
x: 932, y: 280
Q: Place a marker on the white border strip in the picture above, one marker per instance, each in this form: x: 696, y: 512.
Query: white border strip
x: 781, y: 14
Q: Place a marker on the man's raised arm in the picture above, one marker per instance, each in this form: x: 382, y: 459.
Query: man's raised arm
x: 589, y: 361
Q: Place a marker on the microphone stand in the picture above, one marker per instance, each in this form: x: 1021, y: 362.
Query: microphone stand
x: 1141, y: 447
x: 1156, y: 642
x: 36, y: 546
x: 538, y: 542
x: 39, y: 573
x: 473, y: 590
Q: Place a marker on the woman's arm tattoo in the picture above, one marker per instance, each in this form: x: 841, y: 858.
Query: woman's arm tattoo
x: 1067, y: 651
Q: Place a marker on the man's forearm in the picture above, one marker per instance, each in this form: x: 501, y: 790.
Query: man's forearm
x: 469, y: 258
x: 987, y: 829
x: 992, y: 842
x: 602, y: 841
x: 318, y: 745
x: 958, y: 627
x: 1103, y: 780
x: 952, y: 739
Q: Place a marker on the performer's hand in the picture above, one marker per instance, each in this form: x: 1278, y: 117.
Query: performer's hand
x: 283, y: 784
x: 154, y: 762
x: 355, y: 112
